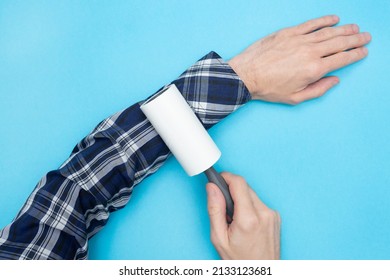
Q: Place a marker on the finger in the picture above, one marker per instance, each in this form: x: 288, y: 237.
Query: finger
x: 257, y: 203
x: 341, y: 59
x: 331, y: 32
x: 314, y: 24
x: 216, y: 207
x: 239, y: 190
x: 342, y: 43
x: 261, y: 208
x: 315, y: 89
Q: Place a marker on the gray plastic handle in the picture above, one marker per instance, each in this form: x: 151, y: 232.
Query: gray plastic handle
x: 214, y: 177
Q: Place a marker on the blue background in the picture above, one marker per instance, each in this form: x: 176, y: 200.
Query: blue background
x: 324, y: 165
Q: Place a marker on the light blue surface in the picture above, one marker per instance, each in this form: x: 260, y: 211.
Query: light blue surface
x: 324, y: 165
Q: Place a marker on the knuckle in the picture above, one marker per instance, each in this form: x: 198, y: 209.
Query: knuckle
x: 319, y: 92
x: 269, y: 216
x: 213, y: 210
x: 345, y: 30
x: 347, y: 58
x: 249, y: 224
x: 354, y: 55
x: 293, y: 100
x: 324, y: 33
x: 331, y: 32
x: 304, y: 25
x: 239, y: 180
x: 349, y: 29
x: 313, y: 70
x: 307, y: 25
x: 342, y: 42
x: 320, y: 21
x: 283, y: 32
x: 361, y: 52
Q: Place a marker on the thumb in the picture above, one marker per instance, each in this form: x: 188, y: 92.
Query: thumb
x: 216, y: 207
x: 316, y: 89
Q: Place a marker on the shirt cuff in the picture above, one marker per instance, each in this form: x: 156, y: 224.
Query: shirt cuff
x: 212, y: 89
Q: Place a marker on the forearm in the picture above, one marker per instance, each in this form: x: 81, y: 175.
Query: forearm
x: 71, y: 204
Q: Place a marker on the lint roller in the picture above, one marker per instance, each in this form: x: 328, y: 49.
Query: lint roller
x: 185, y: 136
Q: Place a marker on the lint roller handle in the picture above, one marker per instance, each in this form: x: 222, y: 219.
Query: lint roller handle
x: 214, y: 177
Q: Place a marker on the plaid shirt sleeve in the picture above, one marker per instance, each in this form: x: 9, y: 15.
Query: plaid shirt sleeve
x: 71, y: 204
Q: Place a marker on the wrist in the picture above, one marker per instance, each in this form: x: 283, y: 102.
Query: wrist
x: 239, y: 67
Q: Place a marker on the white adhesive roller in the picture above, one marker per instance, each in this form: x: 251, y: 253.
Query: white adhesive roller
x: 185, y: 136
x: 181, y: 131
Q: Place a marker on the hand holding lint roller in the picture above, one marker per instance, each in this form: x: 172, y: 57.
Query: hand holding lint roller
x: 185, y: 136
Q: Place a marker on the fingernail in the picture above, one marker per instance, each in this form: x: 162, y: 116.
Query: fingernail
x: 335, y: 18
x: 355, y: 28
x: 367, y: 36
x: 364, y: 50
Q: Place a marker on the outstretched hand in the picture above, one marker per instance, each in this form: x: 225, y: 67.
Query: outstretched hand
x: 289, y: 66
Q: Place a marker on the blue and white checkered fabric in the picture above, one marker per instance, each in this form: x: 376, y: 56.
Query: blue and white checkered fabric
x: 71, y: 204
